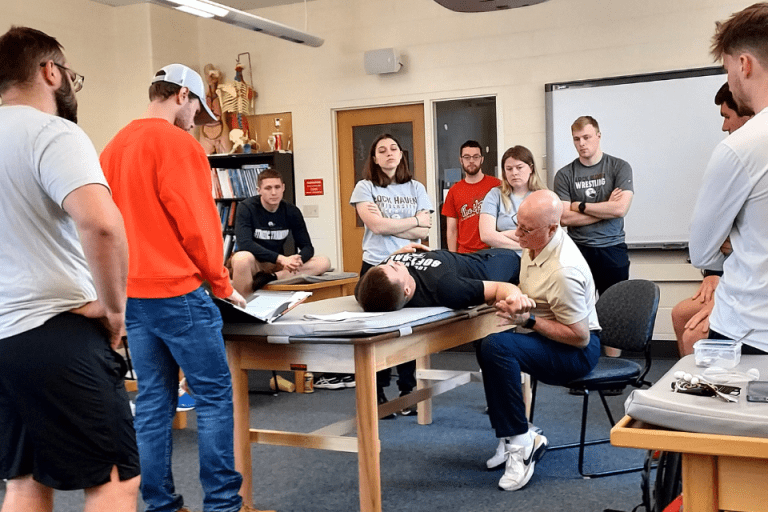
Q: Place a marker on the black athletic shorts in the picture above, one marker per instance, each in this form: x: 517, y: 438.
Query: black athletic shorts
x: 64, y: 412
x: 609, y: 265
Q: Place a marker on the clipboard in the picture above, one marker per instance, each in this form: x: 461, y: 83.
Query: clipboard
x: 263, y: 307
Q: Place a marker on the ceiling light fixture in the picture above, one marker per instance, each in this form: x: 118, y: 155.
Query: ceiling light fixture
x: 191, y: 10
x: 242, y: 19
x: 201, y: 7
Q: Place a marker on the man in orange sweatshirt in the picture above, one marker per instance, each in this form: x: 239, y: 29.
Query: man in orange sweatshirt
x: 160, y: 180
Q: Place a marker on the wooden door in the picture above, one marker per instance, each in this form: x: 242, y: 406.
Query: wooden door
x: 356, y: 131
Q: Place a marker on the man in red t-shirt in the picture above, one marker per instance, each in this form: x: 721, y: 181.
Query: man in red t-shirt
x: 464, y: 200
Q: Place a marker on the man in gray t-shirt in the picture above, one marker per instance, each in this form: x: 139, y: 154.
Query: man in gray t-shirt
x: 596, y: 190
x: 65, y: 420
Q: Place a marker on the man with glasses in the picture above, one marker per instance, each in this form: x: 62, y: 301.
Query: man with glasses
x: 556, y: 306
x: 465, y: 200
x: 62, y: 306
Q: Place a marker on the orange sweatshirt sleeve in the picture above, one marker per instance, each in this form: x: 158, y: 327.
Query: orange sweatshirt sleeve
x: 185, y: 190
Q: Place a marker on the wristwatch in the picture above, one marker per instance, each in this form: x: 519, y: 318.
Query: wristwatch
x: 530, y: 322
x: 582, y: 206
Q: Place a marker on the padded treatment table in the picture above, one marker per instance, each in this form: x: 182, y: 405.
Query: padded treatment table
x: 322, y: 287
x: 724, y: 445
x: 361, y: 347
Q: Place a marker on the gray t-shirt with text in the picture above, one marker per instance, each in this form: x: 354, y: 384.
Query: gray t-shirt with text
x: 594, y: 184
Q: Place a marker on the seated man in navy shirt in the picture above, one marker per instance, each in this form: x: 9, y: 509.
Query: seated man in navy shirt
x: 262, y: 226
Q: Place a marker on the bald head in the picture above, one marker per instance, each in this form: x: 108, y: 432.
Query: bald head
x: 538, y: 219
x: 543, y: 205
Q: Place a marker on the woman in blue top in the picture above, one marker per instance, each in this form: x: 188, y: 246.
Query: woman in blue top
x: 393, y: 206
x: 396, y: 211
x: 498, y: 216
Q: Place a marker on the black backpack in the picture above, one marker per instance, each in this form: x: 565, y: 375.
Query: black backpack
x: 667, y: 483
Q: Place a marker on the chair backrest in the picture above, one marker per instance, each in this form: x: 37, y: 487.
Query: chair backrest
x: 627, y: 312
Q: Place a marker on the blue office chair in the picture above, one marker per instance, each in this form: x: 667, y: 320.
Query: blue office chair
x: 626, y: 312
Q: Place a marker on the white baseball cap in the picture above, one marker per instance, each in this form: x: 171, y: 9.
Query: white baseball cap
x: 180, y: 74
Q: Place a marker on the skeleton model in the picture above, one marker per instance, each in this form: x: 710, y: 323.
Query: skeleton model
x: 240, y: 141
x: 214, y: 136
x: 237, y: 101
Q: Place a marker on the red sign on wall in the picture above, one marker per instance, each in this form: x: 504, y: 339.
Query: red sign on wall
x: 313, y: 187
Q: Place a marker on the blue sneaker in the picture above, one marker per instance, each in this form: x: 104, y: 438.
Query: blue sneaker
x: 186, y: 402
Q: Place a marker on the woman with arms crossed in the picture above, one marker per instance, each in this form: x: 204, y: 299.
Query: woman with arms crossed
x: 396, y: 211
x: 498, y: 217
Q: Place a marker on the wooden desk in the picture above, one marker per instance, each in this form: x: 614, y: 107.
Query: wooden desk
x: 363, y: 357
x: 719, y: 472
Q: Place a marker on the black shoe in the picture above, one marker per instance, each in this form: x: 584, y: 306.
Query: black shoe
x: 411, y: 409
x: 381, y: 398
x: 348, y: 380
x: 262, y: 278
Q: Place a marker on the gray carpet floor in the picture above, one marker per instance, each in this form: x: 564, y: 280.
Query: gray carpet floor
x: 423, y: 468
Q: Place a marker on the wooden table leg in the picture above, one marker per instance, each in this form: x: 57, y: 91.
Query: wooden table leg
x: 423, y: 408
x: 298, y: 380
x: 700, y: 486
x: 242, y: 438
x: 180, y: 420
x: 368, y: 457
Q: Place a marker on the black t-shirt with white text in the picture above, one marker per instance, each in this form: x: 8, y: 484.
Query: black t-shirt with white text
x: 454, y: 280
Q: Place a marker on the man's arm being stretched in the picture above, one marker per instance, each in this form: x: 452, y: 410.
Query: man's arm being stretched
x: 498, y: 291
x: 575, y: 334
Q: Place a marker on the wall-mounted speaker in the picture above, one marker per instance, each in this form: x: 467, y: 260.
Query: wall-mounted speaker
x: 385, y: 60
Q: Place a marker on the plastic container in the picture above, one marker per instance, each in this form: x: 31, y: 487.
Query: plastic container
x: 721, y: 353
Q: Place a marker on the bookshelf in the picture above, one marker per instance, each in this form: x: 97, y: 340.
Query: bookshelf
x: 234, y: 178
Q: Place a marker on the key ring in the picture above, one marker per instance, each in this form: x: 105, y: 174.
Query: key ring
x: 697, y: 385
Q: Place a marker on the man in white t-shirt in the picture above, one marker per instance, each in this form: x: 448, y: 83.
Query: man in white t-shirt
x: 63, y: 275
x: 733, y: 200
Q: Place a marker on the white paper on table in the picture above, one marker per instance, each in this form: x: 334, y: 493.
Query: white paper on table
x: 342, y: 316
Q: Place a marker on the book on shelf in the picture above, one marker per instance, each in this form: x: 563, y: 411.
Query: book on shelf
x: 226, y: 185
x: 236, y: 182
x: 215, y: 185
x: 229, y: 245
x: 231, y: 219
x: 264, y: 306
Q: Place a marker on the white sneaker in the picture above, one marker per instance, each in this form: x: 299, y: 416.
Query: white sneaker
x: 329, y: 383
x: 499, y: 458
x: 520, y: 463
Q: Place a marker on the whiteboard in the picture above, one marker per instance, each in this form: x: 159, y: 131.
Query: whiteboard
x: 664, y: 124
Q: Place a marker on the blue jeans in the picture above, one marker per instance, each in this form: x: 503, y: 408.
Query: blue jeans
x: 504, y: 355
x: 165, y: 334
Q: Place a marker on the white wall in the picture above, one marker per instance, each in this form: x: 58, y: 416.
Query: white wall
x: 510, y: 54
x: 86, y: 31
